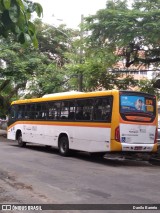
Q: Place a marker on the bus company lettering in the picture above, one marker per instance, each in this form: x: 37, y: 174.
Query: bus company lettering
x: 133, y: 131
x: 34, y: 128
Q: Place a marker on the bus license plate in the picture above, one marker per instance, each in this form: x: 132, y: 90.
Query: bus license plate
x: 138, y: 148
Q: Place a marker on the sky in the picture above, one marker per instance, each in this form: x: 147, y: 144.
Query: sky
x: 69, y: 11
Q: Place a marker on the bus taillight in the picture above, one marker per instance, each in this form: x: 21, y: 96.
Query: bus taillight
x: 117, y: 134
x: 156, y: 136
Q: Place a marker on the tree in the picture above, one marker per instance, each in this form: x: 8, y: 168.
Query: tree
x: 54, y: 41
x: 32, y: 72
x: 18, y: 67
x: 96, y: 74
x: 147, y: 86
x: 132, y: 30
x: 55, y: 44
x: 15, y: 17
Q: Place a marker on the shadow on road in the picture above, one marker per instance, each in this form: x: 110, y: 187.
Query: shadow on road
x: 106, y: 160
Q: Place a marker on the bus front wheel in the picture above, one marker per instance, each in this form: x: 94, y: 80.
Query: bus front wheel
x: 19, y: 140
x: 64, y: 146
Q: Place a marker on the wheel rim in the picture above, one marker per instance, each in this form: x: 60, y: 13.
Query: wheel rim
x: 20, y: 140
x: 63, y: 146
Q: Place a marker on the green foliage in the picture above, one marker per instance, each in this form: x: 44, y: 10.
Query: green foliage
x: 18, y: 68
x: 30, y: 72
x: 97, y: 77
x: 54, y: 41
x: 134, y: 30
x: 147, y: 86
x: 15, y: 17
x: 51, y: 81
x: 63, y: 55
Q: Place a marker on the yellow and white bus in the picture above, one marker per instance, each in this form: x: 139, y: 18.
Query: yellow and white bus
x: 94, y: 122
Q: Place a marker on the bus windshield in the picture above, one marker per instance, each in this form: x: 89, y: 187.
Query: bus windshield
x: 137, y: 104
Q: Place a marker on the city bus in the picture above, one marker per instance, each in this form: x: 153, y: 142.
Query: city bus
x: 98, y: 122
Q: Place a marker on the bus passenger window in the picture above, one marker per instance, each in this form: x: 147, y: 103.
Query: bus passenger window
x: 67, y: 110
x: 64, y: 110
x: 71, y: 116
x: 44, y: 111
x: 84, y: 109
x: 103, y: 109
x: 54, y: 110
x: 13, y: 112
x: 86, y: 116
x: 98, y: 114
x: 79, y: 115
x: 21, y: 112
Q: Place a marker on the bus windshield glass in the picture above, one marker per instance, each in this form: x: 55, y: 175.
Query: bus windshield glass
x: 137, y: 104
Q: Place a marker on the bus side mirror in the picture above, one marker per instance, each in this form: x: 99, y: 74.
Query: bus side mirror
x: 157, y: 84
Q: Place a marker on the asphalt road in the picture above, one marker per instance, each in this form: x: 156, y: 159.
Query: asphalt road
x: 37, y: 174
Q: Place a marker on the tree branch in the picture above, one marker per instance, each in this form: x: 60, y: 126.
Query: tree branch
x: 14, y: 91
x: 142, y: 60
x: 4, y: 84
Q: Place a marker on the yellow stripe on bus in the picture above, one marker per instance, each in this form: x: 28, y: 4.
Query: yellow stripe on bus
x: 58, y: 123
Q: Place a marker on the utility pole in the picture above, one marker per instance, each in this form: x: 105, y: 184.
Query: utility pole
x: 80, y: 75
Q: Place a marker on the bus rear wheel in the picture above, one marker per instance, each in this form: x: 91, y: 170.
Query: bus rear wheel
x: 19, y: 140
x: 64, y: 146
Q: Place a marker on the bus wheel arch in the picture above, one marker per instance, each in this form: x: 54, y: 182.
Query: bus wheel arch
x: 19, y: 138
x: 63, y: 144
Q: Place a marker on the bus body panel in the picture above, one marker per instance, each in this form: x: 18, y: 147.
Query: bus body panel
x: 11, y: 133
x: 136, y: 137
x: 137, y: 134
x: 90, y: 139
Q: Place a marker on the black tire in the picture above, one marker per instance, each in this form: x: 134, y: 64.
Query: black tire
x: 64, y: 146
x: 19, y: 140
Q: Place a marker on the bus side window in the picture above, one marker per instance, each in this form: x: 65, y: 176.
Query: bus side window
x: 79, y: 114
x: 64, y: 110
x: 84, y: 109
x: 86, y: 116
x: 21, y: 112
x: 32, y: 112
x: 27, y: 111
x: 103, y: 109
x: 38, y: 114
x: 67, y: 110
x: 107, y: 109
x: 13, y: 112
x: 71, y: 116
x: 53, y: 110
x: 44, y: 112
x: 72, y: 109
x: 98, y: 114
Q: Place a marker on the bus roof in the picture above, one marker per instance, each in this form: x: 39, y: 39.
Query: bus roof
x: 65, y: 95
x: 73, y: 95
x: 62, y: 93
